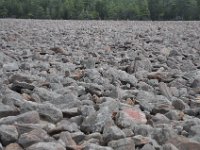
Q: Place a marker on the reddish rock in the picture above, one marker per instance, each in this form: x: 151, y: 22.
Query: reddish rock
x: 135, y: 115
x: 13, y: 146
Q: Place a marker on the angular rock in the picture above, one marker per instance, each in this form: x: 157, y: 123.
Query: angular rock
x: 29, y: 117
x: 46, y: 111
x: 78, y: 137
x: 173, y: 115
x: 93, y: 88
x: 149, y: 100
x: 10, y: 67
x: 46, y: 95
x: 18, y: 86
x: 174, y: 91
x: 179, y: 104
x: 67, y: 141
x: 165, y: 90
x: 162, y: 135
x: 95, y: 146
x: 122, y: 144
x: 12, y: 98
x: 115, y: 74
x: 25, y: 128
x: 103, y: 117
x: 169, y: 146
x: 184, y: 143
x: 128, y: 132
x: 140, y: 140
x: 8, y: 134
x: 147, y: 147
x: 189, y: 123
x: 64, y: 125
x: 34, y: 136
x: 134, y: 115
x: 6, y: 110
x: 112, y: 133
x: 160, y: 119
x: 143, y: 129
x: 67, y: 113
x: 13, y: 146
x: 46, y: 146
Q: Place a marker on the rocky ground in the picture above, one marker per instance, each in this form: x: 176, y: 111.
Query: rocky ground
x: 92, y: 85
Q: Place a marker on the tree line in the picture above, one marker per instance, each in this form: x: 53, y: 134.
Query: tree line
x: 101, y: 9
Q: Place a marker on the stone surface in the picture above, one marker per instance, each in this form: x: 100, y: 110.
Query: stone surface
x: 112, y: 133
x: 46, y: 146
x: 184, y: 143
x: 11, y: 67
x: 8, y: 134
x: 99, y: 85
x: 13, y: 146
x: 46, y: 111
x: 29, y: 117
x: 95, y: 146
x: 6, y: 110
x: 34, y: 136
x: 122, y: 144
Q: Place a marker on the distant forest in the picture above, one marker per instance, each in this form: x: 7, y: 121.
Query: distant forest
x: 101, y: 9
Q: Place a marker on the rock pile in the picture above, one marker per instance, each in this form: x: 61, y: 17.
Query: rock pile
x: 95, y: 85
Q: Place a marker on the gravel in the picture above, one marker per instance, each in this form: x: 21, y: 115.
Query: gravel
x: 107, y: 85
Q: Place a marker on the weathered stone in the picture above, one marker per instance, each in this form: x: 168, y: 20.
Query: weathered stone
x: 34, y: 136
x: 8, y: 134
x: 93, y: 88
x: 169, y: 146
x: 66, y: 140
x: 165, y: 90
x: 143, y: 129
x: 6, y: 110
x: 196, y: 85
x: 87, y: 110
x: 46, y: 146
x: 115, y: 74
x: 174, y: 91
x: 18, y: 86
x: 133, y: 114
x: 184, y: 143
x: 173, y: 115
x: 64, y: 125
x: 46, y: 111
x: 161, y: 135
x: 140, y: 140
x: 112, y: 133
x: 29, y: 117
x: 78, y: 137
x: 11, y: 67
x: 122, y: 144
x: 160, y: 118
x: 13, y: 146
x: 179, y: 104
x: 161, y: 76
x: 91, y: 146
x: 71, y: 112
x: 12, y: 98
x: 46, y: 95
x: 128, y: 132
x: 97, y: 121
x: 189, y: 123
x: 148, y: 100
x: 25, y: 128
x: 147, y: 147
